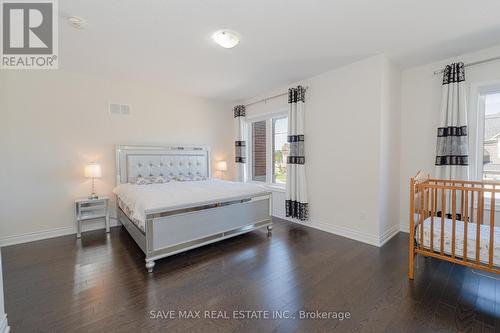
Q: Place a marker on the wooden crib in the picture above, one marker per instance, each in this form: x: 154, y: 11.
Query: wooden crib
x: 465, y: 234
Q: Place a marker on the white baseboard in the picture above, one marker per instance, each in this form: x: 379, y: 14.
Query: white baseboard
x: 4, y: 325
x: 286, y: 218
x: 374, y: 240
x: 404, y: 227
x: 95, y: 225
x: 55, y: 232
x: 393, y: 231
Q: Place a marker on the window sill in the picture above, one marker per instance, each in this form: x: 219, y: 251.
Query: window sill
x: 271, y: 187
x: 276, y: 188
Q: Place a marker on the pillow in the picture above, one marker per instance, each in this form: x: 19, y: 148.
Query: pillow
x: 160, y: 180
x: 151, y: 180
x: 182, y: 178
x: 143, y: 181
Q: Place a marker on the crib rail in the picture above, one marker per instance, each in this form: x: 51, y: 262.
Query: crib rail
x: 435, y: 203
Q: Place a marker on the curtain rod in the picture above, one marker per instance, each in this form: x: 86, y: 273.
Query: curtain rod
x: 471, y: 64
x: 268, y: 98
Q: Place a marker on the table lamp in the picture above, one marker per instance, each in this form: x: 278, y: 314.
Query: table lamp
x: 93, y: 170
x: 222, y: 167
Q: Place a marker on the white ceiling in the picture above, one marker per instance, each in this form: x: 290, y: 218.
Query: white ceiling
x: 169, y: 41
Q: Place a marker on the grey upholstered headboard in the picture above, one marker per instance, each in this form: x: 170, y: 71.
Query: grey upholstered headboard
x: 133, y: 161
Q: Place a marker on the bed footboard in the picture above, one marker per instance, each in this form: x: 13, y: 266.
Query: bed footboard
x: 169, y: 233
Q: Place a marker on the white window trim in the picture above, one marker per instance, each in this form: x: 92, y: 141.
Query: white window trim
x: 268, y: 117
x: 476, y: 128
x: 476, y: 121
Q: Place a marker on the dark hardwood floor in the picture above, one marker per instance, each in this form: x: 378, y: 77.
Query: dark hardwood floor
x: 99, y: 284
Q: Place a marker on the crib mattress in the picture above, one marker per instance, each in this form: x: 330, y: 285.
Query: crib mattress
x: 484, y: 244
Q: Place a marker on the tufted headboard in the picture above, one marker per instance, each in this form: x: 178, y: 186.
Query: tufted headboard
x: 133, y: 161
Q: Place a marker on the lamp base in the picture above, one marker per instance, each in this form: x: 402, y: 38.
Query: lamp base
x: 93, y: 196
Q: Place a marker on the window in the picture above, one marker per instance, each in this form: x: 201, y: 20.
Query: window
x: 489, y: 109
x: 280, y: 149
x: 269, y: 149
x: 259, y: 151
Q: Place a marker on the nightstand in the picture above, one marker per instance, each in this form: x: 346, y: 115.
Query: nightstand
x: 89, y: 209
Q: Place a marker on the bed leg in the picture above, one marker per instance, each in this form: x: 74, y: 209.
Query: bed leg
x: 269, y: 229
x: 149, y: 265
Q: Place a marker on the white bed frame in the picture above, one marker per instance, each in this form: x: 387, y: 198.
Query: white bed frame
x: 168, y: 232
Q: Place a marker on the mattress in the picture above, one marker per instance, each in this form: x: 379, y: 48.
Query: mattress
x: 484, y: 244
x: 136, y: 201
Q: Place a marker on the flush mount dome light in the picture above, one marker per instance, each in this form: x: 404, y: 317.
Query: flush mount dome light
x: 76, y: 22
x: 226, y: 38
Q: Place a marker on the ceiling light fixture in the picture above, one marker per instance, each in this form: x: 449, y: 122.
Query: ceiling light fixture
x: 226, y: 38
x: 76, y: 22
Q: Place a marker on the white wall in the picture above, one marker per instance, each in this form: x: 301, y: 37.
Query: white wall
x: 346, y: 110
x: 420, y: 107
x: 52, y: 123
x: 390, y: 133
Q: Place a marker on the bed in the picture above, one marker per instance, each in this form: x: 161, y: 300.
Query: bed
x: 175, y: 216
x: 453, y: 220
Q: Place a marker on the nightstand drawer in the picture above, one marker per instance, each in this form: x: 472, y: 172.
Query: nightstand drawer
x: 92, y: 215
x: 92, y: 206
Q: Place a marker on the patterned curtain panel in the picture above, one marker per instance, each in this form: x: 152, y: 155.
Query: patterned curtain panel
x: 296, y: 204
x: 452, y: 148
x: 240, y: 143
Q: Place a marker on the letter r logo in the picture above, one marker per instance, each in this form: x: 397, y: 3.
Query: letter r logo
x: 27, y: 27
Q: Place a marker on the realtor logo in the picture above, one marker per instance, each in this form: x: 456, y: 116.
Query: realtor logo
x: 29, y: 34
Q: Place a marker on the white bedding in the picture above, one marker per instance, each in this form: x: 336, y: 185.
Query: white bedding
x: 459, y: 239
x: 138, y: 200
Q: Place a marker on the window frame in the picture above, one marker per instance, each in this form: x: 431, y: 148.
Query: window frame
x: 273, y: 160
x: 480, y: 92
x: 476, y: 132
x: 268, y: 117
x: 251, y: 151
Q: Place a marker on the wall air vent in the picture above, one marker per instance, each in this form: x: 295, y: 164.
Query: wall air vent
x: 119, y: 109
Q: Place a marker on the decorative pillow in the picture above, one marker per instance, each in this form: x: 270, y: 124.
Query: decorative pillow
x: 143, y: 181
x: 182, y: 178
x: 160, y: 180
x: 152, y: 180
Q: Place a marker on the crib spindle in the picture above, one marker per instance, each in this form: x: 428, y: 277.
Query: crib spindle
x: 427, y: 203
x: 472, y: 206
x: 492, y: 227
x: 453, y: 220
x: 465, y: 219
x: 421, y: 218
x: 433, y: 210
x: 478, y: 223
x: 435, y: 201
x: 462, y: 206
x: 443, y: 214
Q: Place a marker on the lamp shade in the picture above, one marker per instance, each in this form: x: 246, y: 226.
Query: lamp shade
x: 222, y: 166
x: 93, y: 170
